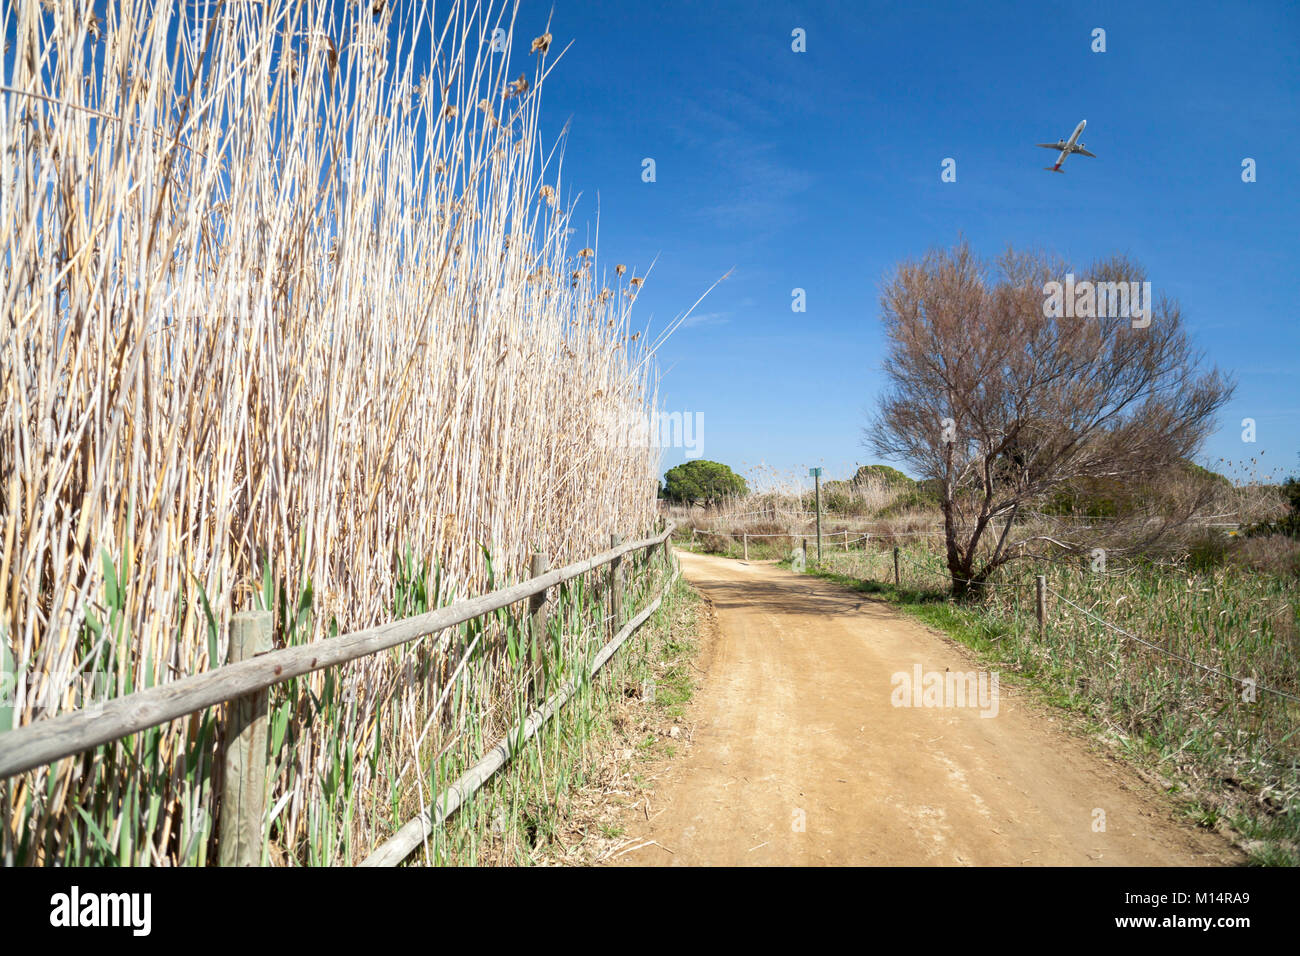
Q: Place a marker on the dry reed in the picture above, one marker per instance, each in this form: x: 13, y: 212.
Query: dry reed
x: 289, y: 316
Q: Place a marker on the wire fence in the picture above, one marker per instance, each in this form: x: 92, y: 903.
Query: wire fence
x: 1232, y: 630
x: 1026, y: 585
x: 1248, y: 682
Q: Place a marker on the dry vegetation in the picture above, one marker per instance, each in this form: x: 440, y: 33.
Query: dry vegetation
x: 289, y: 319
x: 1181, y: 510
x: 1002, y: 404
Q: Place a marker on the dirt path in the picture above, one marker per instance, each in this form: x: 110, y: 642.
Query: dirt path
x: 794, y: 725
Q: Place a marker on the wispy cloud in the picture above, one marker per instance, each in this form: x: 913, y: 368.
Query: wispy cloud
x: 741, y: 136
x: 707, y: 318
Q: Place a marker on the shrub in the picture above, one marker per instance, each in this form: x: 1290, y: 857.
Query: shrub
x: 889, y: 476
x: 1207, y: 551
x: 703, y: 482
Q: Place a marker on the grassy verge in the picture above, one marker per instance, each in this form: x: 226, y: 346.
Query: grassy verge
x: 1230, y: 763
x: 551, y: 804
x: 640, y: 731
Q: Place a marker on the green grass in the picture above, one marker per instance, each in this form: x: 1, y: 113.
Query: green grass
x: 675, y: 686
x: 516, y: 818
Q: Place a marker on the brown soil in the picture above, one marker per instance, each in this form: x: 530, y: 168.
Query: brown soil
x: 798, y: 756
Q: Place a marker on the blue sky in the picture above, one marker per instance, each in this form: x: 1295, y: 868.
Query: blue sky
x: 821, y: 170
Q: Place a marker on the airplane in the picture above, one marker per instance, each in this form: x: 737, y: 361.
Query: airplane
x: 1067, y: 147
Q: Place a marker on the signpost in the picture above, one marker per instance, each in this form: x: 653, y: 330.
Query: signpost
x: 816, y: 474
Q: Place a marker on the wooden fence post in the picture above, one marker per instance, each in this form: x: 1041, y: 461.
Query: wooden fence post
x: 846, y: 540
x: 803, y: 543
x: 537, y: 625
x: 615, y: 587
x: 746, y: 547
x: 1041, y: 588
x: 243, y: 794
x: 817, y: 480
x: 897, y: 579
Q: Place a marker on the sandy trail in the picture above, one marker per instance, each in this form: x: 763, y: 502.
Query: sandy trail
x: 799, y: 757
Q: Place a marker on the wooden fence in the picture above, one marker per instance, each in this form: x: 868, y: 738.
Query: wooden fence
x: 253, y: 668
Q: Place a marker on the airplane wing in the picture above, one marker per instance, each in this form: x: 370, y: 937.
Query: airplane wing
x: 1084, y: 152
x: 1051, y: 145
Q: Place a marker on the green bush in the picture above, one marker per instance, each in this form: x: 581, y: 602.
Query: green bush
x: 702, y: 482
x: 1207, y: 552
x: 892, y: 476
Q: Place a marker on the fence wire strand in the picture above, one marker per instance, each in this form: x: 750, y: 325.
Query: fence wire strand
x: 1244, y: 681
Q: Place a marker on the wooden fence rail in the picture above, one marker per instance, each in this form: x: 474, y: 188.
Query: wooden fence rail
x: 46, y: 741
x: 405, y: 841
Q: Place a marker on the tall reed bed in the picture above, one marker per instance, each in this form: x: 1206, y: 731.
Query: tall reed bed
x: 290, y: 319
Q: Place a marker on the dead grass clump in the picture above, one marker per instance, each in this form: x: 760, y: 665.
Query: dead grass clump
x: 1274, y: 554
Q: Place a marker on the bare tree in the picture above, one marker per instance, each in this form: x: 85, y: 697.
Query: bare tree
x: 1003, y: 401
